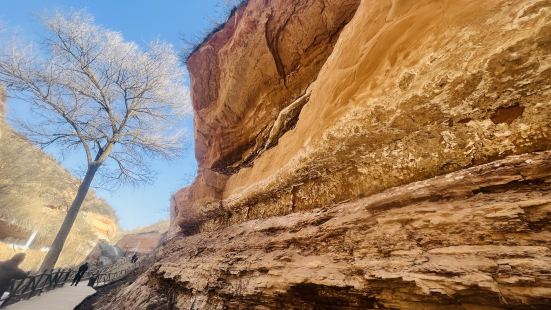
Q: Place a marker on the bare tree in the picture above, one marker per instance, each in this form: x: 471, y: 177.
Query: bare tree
x: 95, y: 91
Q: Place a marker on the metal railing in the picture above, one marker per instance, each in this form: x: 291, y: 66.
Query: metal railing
x: 36, y: 284
x: 106, y: 277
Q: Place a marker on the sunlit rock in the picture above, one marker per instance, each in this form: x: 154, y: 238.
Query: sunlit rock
x: 365, y: 154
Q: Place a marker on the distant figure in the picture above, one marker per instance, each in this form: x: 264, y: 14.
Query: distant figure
x: 81, y: 270
x: 9, y: 270
x: 134, y: 258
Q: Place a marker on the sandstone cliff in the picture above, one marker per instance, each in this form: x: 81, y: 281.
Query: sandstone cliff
x: 246, y: 74
x: 411, y: 91
x: 365, y: 154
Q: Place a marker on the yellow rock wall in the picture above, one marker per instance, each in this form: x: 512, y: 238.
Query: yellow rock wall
x: 412, y: 89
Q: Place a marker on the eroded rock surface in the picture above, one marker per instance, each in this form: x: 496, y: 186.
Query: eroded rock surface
x: 473, y: 239
x: 264, y: 58
x: 411, y: 90
x: 365, y: 154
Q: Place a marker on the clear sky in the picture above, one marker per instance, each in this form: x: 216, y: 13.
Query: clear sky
x: 140, y: 21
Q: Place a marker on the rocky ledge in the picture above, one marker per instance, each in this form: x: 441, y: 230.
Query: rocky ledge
x: 476, y: 238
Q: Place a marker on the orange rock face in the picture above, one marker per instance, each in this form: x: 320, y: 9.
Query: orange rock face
x: 406, y: 91
x: 268, y: 53
x: 366, y: 154
x: 104, y: 227
x: 243, y: 77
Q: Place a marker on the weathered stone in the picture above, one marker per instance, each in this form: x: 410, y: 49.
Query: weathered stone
x: 365, y: 154
x: 411, y: 90
x: 472, y: 239
x: 266, y: 56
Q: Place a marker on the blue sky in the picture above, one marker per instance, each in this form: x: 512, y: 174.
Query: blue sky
x: 140, y: 21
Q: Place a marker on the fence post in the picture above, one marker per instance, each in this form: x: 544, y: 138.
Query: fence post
x: 59, y: 277
x: 40, y: 285
x: 25, y: 293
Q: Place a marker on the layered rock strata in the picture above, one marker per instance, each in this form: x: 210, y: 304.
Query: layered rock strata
x: 411, y: 89
x: 365, y: 154
x: 473, y: 239
x: 244, y: 78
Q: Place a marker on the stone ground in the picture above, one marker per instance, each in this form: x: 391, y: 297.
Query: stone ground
x: 66, y: 298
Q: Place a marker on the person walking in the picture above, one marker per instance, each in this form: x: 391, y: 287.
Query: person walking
x: 134, y: 258
x: 9, y: 270
x: 81, y: 271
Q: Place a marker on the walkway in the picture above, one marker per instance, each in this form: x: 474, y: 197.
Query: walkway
x: 65, y: 298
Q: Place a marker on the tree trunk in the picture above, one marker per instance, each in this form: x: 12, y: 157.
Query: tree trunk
x: 53, y: 254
